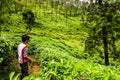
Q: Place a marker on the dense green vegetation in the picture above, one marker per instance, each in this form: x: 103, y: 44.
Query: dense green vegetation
x: 68, y: 41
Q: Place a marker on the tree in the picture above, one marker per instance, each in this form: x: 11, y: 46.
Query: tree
x: 28, y: 17
x: 102, y: 19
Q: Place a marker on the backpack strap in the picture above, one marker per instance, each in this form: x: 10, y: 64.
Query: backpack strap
x: 23, y: 54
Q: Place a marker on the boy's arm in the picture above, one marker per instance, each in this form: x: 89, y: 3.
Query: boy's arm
x: 27, y: 56
x: 31, y: 58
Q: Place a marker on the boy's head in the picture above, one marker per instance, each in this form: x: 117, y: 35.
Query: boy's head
x: 25, y: 38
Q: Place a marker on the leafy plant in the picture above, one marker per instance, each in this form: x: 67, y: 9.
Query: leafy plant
x: 12, y: 77
x: 28, y: 17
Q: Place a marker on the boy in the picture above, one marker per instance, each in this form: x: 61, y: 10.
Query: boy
x: 23, y: 56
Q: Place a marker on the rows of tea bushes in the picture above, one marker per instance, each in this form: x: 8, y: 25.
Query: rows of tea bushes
x: 57, y: 60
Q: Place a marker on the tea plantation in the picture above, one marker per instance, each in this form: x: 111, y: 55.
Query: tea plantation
x: 57, y: 41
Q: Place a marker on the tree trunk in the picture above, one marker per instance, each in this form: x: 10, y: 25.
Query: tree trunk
x: 105, y: 42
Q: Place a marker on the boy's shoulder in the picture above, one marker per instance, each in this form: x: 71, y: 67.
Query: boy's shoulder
x: 21, y: 44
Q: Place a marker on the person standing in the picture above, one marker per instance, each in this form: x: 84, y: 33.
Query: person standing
x: 23, y: 57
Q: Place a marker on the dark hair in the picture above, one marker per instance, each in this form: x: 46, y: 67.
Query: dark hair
x: 25, y: 37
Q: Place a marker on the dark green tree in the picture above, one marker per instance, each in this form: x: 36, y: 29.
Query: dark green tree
x: 28, y: 17
x: 102, y: 20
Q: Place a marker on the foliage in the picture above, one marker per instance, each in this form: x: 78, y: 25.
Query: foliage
x: 8, y: 56
x: 102, y: 29
x: 5, y: 49
x: 56, y: 63
x: 11, y: 76
x: 58, y: 41
x: 28, y: 17
x: 6, y: 9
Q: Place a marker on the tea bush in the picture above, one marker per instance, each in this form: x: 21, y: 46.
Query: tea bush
x: 6, y: 54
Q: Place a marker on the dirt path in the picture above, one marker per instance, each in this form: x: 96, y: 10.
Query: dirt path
x: 33, y: 67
